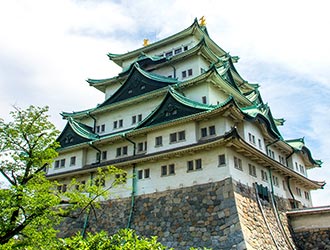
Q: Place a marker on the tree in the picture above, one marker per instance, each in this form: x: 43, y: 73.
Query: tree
x: 30, y: 204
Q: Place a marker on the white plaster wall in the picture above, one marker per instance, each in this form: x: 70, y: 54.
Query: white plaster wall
x: 210, y: 172
x: 252, y: 128
x: 79, y: 162
x: 190, y: 131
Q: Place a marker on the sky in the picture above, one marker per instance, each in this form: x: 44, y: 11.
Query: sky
x: 49, y: 48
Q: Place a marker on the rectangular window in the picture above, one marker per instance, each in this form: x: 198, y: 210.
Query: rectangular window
x: 212, y: 130
x: 104, y: 155
x: 194, y: 165
x: 171, y: 169
x: 264, y: 176
x: 306, y: 195
x: 182, y: 135
x: 203, y: 132
x: 275, y: 181
x: 238, y: 163
x: 271, y: 153
x: 139, y: 117
x: 102, y: 128
x: 252, y: 138
x: 302, y: 170
x: 98, y: 157
x: 120, y: 123
x: 125, y: 150
x: 97, y: 129
x: 62, y: 163
x: 190, y: 72
x: 298, y: 191
x: 118, y: 152
x: 222, y: 160
x: 185, y: 48
x: 158, y: 141
x: 204, y: 100
x: 164, y: 170
x: 259, y: 143
x: 72, y: 161
x: 252, y: 170
x: 190, y: 165
x: 115, y: 124
x: 173, y: 137
x: 147, y: 173
x: 140, y: 147
x: 168, y: 54
x: 140, y: 174
x: 184, y: 74
x: 57, y: 164
x: 64, y: 188
x: 178, y: 51
x: 133, y: 119
x: 168, y: 170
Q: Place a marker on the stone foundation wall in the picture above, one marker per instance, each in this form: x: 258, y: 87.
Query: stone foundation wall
x: 197, y: 216
x: 314, y: 239
x: 260, y: 227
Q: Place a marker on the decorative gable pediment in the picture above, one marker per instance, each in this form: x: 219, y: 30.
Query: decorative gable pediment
x: 173, y: 106
x: 138, y: 83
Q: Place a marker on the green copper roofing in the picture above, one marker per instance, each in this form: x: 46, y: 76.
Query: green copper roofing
x: 262, y: 112
x: 138, y: 82
x: 299, y: 145
x: 195, y: 28
x: 67, y: 115
x: 75, y: 133
x: 173, y: 106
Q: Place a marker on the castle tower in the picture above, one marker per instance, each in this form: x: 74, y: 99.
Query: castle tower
x: 209, y: 165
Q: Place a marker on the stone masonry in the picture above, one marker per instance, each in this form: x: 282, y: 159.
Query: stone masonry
x: 221, y: 215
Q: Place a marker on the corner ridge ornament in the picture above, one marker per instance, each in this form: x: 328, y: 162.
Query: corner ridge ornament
x: 202, y: 21
x: 145, y: 42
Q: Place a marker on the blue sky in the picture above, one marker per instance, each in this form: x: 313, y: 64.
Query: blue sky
x: 49, y: 48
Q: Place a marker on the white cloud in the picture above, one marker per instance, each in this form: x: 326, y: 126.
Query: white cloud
x: 49, y: 48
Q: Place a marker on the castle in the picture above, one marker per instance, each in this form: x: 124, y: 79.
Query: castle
x: 209, y: 165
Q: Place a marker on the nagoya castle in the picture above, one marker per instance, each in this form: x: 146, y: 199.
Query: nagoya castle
x: 206, y: 163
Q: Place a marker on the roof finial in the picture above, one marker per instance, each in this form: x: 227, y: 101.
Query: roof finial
x: 145, y: 42
x: 202, y: 21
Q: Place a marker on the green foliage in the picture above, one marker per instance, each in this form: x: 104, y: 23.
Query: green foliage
x: 30, y: 204
x: 125, y: 239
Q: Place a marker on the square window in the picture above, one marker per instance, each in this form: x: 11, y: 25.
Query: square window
x: 185, y: 48
x: 222, y: 160
x: 212, y: 130
x: 203, y: 132
x: 72, y: 161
